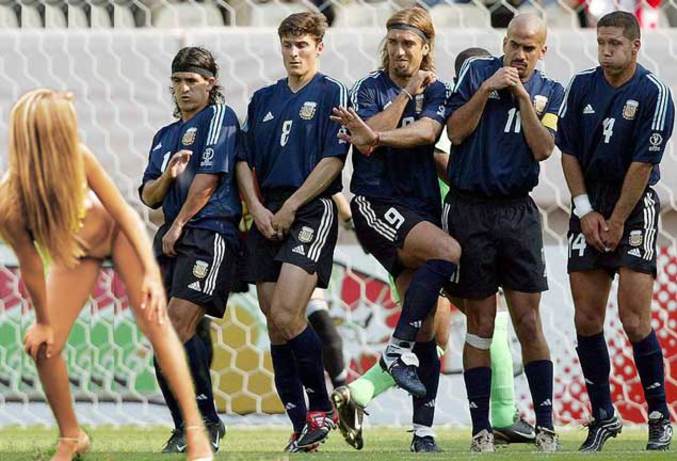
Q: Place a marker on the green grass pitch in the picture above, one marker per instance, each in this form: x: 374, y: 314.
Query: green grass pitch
x: 265, y: 443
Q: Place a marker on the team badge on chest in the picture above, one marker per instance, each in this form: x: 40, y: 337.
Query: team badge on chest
x: 306, y: 234
x: 540, y: 103
x: 189, y: 136
x: 200, y: 269
x: 308, y: 109
x: 635, y: 238
x: 630, y: 109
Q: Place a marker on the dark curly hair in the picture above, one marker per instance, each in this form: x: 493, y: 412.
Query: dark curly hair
x: 197, y: 57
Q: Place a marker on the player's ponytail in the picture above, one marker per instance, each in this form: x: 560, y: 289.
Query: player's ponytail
x: 46, y: 171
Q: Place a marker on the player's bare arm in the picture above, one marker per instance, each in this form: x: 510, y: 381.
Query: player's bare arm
x: 540, y: 140
x: 262, y: 215
x: 154, y: 191
x: 153, y: 292
x: 319, y: 179
x: 421, y: 132
x: 389, y: 118
x: 592, y: 222
x: 464, y: 121
x: 201, y: 189
x: 634, y: 186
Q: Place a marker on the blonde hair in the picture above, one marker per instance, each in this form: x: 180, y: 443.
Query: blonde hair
x: 420, y: 19
x: 46, y: 182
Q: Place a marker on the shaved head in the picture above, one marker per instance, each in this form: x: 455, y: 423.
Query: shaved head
x: 528, y: 24
x: 524, y: 43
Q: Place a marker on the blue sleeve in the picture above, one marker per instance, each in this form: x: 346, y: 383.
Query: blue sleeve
x: 434, y: 104
x: 245, y: 150
x: 363, y: 98
x: 332, y: 145
x: 155, y: 163
x: 568, y: 136
x: 469, y: 80
x: 154, y: 168
x: 223, y: 135
x: 655, y: 124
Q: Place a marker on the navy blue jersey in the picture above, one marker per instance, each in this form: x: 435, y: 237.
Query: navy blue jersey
x: 287, y: 133
x: 495, y: 160
x: 608, y: 128
x: 213, y: 136
x: 407, y: 176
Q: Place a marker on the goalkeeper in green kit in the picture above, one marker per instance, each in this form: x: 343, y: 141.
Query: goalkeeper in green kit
x: 352, y: 399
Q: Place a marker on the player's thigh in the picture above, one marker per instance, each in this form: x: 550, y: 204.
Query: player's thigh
x: 635, y: 292
x: 185, y: 316
x: 521, y: 256
x: 590, y: 292
x: 68, y: 289
x: 524, y: 312
x: 292, y: 292
x: 264, y: 293
x: 426, y: 241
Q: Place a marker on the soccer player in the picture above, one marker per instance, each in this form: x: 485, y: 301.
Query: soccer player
x: 613, y: 128
x: 502, y: 124
x: 352, y: 399
x: 292, y: 152
x: 396, y: 208
x: 89, y: 222
x: 190, y: 174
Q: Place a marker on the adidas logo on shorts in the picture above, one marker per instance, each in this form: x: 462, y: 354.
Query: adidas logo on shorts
x: 635, y: 252
x: 195, y: 286
x: 299, y: 250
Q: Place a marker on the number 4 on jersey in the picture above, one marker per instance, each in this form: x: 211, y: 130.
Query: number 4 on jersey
x: 608, y: 124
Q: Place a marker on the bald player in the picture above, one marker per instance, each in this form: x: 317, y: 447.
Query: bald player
x: 502, y: 124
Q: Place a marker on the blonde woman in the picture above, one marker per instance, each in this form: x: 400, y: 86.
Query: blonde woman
x: 57, y: 197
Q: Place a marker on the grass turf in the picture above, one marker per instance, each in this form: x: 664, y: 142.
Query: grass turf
x: 265, y: 443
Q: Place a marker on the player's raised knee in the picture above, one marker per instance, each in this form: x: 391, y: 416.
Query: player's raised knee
x: 449, y: 250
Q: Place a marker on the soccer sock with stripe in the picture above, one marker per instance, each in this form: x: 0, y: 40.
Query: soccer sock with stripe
x: 502, y: 377
x: 594, y: 358
x: 172, y: 404
x: 288, y: 384
x: 419, y: 300
x: 478, y: 387
x: 308, y: 354
x: 198, y: 362
x: 649, y: 361
x: 540, y: 377
x: 429, y: 374
x: 370, y: 385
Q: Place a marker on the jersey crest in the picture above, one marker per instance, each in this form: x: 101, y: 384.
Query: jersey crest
x: 308, y: 110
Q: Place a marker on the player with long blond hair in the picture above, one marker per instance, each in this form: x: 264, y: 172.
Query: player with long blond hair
x: 57, y: 198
